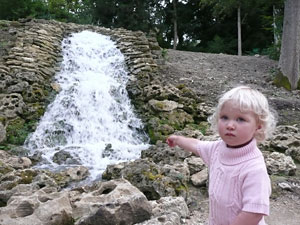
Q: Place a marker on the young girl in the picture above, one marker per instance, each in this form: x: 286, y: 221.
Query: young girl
x: 239, y: 185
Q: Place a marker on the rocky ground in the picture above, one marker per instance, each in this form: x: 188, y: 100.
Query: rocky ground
x: 209, y: 75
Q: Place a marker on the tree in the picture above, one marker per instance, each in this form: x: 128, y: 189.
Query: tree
x: 131, y: 14
x: 176, y: 20
x: 63, y: 10
x: 175, y: 23
x: 225, y: 7
x: 277, y: 6
x: 290, y: 46
x: 15, y: 9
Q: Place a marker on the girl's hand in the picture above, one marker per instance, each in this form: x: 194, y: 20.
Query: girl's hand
x: 171, y: 141
x: 188, y: 144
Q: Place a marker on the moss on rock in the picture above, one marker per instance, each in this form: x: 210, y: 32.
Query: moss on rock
x: 282, y: 81
x: 4, y: 169
x: 27, y: 176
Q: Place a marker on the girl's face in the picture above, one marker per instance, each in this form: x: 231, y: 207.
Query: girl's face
x: 236, y: 127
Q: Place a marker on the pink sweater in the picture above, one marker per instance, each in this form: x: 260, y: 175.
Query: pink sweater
x: 238, y: 181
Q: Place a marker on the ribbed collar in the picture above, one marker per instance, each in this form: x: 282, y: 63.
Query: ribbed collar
x: 233, y: 156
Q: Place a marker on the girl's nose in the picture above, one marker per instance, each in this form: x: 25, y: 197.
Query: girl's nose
x: 230, y: 125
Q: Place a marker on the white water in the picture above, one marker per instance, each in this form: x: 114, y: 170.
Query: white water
x: 92, y: 109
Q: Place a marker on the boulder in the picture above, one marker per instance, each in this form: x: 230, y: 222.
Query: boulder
x: 200, y: 179
x: 195, y: 164
x: 112, y: 203
x: 168, y: 210
x: 279, y: 163
x: 39, y: 208
x: 154, y: 180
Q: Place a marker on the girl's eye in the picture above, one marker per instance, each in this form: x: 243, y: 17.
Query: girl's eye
x: 240, y: 119
x: 223, y: 117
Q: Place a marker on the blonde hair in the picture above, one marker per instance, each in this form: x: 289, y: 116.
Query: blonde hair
x: 249, y: 99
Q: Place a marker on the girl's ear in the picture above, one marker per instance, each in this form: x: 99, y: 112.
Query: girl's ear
x: 258, y: 127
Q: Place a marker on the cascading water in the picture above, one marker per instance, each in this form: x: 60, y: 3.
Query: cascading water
x: 91, y: 118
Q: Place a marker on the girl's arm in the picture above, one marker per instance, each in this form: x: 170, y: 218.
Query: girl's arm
x: 188, y: 144
x: 247, y: 218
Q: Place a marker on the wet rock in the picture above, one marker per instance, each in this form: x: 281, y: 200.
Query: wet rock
x: 14, y: 161
x: 78, y: 173
x: 64, y: 157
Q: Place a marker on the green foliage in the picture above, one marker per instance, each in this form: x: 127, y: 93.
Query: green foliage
x: 132, y: 15
x: 164, y: 53
x: 14, y: 9
x: 273, y: 51
x: 17, y: 131
x: 5, y: 147
x: 219, y: 45
x: 63, y: 10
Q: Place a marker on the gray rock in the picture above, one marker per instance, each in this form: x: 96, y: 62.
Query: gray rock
x: 11, y: 105
x: 164, y: 106
x: 14, y: 161
x: 195, y: 164
x: 29, y: 210
x: 168, y: 210
x: 279, y: 163
x: 113, y: 202
x: 2, y: 133
x: 200, y: 179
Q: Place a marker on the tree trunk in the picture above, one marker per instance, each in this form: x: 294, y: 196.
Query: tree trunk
x: 239, y: 31
x: 275, y: 33
x: 175, y: 24
x: 290, y: 45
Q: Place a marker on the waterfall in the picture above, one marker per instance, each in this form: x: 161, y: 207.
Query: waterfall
x: 91, y: 119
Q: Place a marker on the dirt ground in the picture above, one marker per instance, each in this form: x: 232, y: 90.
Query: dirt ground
x: 209, y: 75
